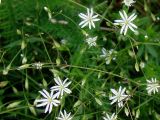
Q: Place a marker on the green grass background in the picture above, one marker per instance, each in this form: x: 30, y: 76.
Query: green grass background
x: 26, y: 21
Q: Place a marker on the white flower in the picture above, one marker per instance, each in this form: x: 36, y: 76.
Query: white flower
x: 108, y: 55
x: 112, y: 117
x: 61, y: 87
x: 64, y: 116
x: 88, y: 19
x: 152, y: 86
x: 49, y: 101
x: 91, y: 41
x: 126, y: 22
x: 128, y: 2
x: 119, y: 96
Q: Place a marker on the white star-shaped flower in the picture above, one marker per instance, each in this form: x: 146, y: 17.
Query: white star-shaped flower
x: 128, y: 2
x: 119, y: 96
x: 88, y: 19
x: 49, y: 101
x: 152, y: 86
x: 91, y: 41
x: 126, y: 22
x: 108, y: 55
x: 112, y: 117
x: 61, y: 87
x: 64, y: 116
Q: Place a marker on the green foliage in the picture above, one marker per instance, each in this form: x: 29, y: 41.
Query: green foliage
x: 28, y: 36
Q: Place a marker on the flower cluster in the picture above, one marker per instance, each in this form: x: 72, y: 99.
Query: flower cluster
x: 53, y: 98
x: 118, y: 97
x: 126, y: 22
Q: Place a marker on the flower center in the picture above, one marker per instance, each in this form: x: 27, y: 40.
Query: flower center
x: 126, y: 22
x: 89, y: 18
x: 61, y: 87
x: 119, y: 96
x: 49, y: 99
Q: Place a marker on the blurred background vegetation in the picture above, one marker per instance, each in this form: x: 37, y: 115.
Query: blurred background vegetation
x: 27, y: 36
